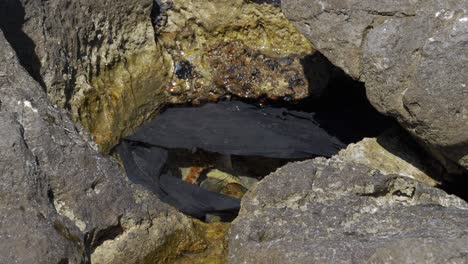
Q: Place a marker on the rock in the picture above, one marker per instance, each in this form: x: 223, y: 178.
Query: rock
x: 334, y: 211
x: 239, y: 48
x: 29, y: 224
x: 270, y: 2
x: 97, y: 58
x: 394, y: 152
x: 63, y: 202
x: 107, y: 65
x: 409, y: 54
x: 213, y: 242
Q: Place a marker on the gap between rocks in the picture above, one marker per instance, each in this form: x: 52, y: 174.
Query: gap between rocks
x: 341, y: 110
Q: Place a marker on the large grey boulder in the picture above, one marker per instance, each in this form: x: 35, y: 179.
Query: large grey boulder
x: 412, y: 56
x: 99, y: 59
x: 336, y: 211
x: 60, y: 200
x: 65, y: 42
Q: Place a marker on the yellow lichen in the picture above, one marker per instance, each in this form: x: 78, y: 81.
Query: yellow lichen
x: 195, y: 24
x: 123, y: 96
x: 213, y: 237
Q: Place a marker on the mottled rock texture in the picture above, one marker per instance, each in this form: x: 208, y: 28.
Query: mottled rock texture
x: 63, y: 202
x: 334, y: 211
x: 114, y: 64
x: 411, y: 55
x: 395, y: 152
x: 97, y: 58
x: 239, y: 48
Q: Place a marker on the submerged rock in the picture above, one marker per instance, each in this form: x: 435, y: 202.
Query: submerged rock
x: 334, y: 211
x: 410, y: 54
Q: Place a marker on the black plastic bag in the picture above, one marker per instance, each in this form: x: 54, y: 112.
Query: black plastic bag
x: 229, y: 128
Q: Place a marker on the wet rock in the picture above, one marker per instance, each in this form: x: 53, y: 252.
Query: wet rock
x: 105, y: 62
x: 235, y: 48
x: 60, y: 200
x: 99, y: 59
x: 222, y: 182
x: 213, y: 244
x: 183, y: 70
x: 107, y: 65
x: 419, y: 78
x: 249, y: 74
x: 335, y: 211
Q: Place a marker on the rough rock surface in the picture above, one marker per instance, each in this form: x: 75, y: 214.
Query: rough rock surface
x: 239, y: 48
x: 411, y: 56
x: 98, y: 58
x: 395, y: 152
x: 60, y: 200
x: 332, y: 211
x: 114, y: 64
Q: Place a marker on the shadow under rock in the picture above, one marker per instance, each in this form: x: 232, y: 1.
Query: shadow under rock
x: 12, y: 18
x: 401, y: 144
x: 342, y: 107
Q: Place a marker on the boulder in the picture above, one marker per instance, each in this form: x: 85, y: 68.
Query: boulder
x: 395, y: 152
x: 99, y: 59
x: 411, y: 56
x: 336, y: 211
x: 115, y: 64
x: 239, y: 48
x: 60, y: 200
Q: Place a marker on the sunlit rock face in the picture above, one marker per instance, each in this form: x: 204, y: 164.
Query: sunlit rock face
x: 97, y: 58
x: 61, y: 200
x: 235, y: 48
x: 337, y: 211
x: 394, y: 152
x: 114, y: 64
x: 410, y: 54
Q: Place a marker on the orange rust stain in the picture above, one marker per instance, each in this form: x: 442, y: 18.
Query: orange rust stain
x: 193, y: 174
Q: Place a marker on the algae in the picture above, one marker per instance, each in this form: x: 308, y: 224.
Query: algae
x: 216, y: 38
x: 123, y: 96
x: 200, y: 54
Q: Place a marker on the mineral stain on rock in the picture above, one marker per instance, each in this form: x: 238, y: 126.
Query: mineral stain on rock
x: 114, y: 72
x: 196, y: 51
x: 248, y: 73
x: 238, y: 48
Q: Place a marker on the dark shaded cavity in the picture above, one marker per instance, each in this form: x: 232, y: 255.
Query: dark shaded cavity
x: 341, y: 107
x: 457, y: 185
x: 183, y: 70
x: 232, y: 134
x: 158, y: 13
x: 276, y: 3
x: 103, y: 235
x: 341, y: 111
x: 12, y: 18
